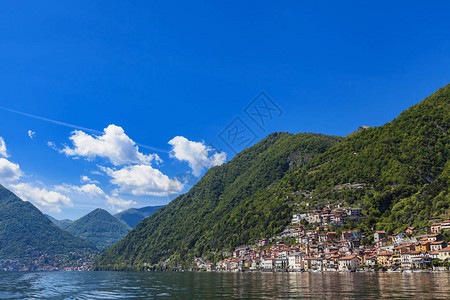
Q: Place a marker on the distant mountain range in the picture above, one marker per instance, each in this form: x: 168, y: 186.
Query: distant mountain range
x: 63, y: 224
x: 102, y: 228
x: 24, y: 230
x: 402, y: 170
x: 133, y: 216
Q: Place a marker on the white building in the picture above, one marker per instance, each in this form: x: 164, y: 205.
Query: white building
x: 298, y: 217
x: 295, y: 261
x: 268, y: 262
x: 354, y: 212
x: 349, y: 263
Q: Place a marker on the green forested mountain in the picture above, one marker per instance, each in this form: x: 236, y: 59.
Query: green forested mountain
x: 60, y: 223
x: 133, y: 216
x: 404, y: 166
x: 227, y: 207
x: 24, y: 230
x: 100, y: 227
x: 398, y: 173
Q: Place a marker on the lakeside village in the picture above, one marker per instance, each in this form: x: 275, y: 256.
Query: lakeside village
x: 321, y: 250
x: 43, y: 261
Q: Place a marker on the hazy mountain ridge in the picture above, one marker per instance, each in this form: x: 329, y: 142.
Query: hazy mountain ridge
x: 60, y: 223
x: 133, y: 216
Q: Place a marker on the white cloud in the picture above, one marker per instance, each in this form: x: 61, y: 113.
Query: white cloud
x: 3, y: 148
x: 85, y: 178
x: 113, y: 145
x: 93, y: 191
x: 31, y: 134
x: 119, y: 204
x: 197, y: 154
x: 89, y: 189
x: 143, y: 180
x: 53, y: 146
x: 96, y: 172
x: 41, y: 197
x: 9, y: 172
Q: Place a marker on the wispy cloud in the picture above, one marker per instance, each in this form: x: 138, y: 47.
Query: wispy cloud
x: 31, y: 134
x: 53, y: 146
x: 72, y: 126
x: 94, y: 192
x: 49, y: 120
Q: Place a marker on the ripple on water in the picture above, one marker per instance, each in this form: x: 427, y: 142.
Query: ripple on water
x: 134, y: 285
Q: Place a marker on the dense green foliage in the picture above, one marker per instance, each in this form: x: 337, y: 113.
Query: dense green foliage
x: 24, y: 230
x: 404, y: 166
x: 397, y: 173
x: 133, y: 216
x: 227, y: 207
x: 100, y: 227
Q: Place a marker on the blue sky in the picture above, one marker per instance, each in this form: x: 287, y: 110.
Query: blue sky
x: 184, y: 72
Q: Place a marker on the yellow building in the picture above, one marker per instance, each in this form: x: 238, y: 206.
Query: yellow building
x: 384, y: 259
x: 423, y: 246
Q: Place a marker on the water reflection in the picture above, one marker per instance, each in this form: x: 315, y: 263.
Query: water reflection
x: 126, y: 285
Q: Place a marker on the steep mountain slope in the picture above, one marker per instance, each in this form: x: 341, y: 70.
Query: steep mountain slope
x: 227, y: 207
x: 403, y: 165
x: 100, y: 227
x: 133, y: 216
x: 398, y: 173
x: 24, y: 230
x: 60, y: 223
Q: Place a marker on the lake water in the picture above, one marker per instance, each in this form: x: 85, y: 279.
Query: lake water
x: 187, y: 285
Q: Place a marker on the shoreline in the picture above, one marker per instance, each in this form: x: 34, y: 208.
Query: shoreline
x: 326, y: 271
x: 406, y: 271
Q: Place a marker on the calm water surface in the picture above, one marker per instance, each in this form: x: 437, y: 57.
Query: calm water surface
x: 149, y: 285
